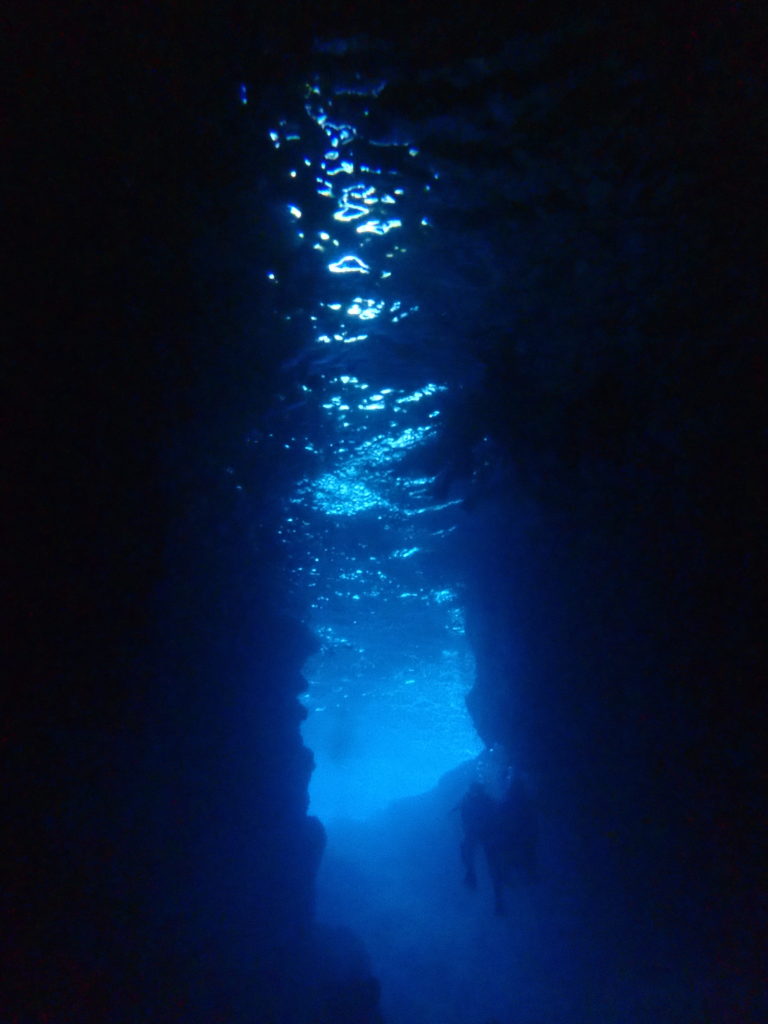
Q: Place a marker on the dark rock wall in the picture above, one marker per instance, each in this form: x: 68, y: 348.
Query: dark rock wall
x: 616, y: 560
x: 158, y: 848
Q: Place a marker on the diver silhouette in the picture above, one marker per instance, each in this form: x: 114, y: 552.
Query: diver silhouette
x: 478, y: 819
x: 506, y: 832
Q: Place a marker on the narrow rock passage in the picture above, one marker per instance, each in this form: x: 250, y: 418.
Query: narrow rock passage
x: 438, y: 949
x: 559, y: 953
x: 503, y: 400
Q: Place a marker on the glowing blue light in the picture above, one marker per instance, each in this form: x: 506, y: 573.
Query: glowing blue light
x: 378, y: 227
x: 243, y: 93
x: 411, y: 706
x: 345, y: 167
x: 348, y: 211
x: 349, y: 265
x: 432, y: 508
x: 365, y: 309
x: 338, y: 495
x: 416, y: 396
x: 405, y: 553
x: 339, y: 134
x: 354, y: 202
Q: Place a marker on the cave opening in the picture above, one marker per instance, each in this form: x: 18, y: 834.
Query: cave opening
x: 386, y: 714
x: 379, y: 526
x: 485, y: 503
x: 369, y: 526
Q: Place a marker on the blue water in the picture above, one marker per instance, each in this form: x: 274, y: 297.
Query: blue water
x: 366, y: 530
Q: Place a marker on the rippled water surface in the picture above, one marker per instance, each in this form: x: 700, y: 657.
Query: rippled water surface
x: 369, y: 520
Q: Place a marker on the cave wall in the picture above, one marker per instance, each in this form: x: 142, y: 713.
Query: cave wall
x: 615, y: 563
x: 636, y: 710
x: 159, y: 856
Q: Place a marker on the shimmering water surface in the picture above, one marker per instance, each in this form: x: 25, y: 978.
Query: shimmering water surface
x: 366, y: 522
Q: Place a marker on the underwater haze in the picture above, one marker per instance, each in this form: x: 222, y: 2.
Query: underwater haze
x: 367, y: 525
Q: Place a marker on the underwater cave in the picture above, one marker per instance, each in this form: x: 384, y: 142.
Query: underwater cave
x: 391, y: 424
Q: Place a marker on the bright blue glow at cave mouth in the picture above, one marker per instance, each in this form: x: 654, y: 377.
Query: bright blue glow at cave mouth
x: 367, y: 530
x: 386, y: 701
